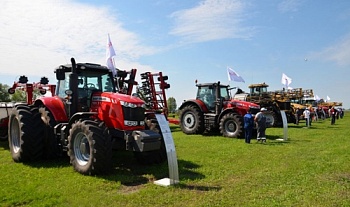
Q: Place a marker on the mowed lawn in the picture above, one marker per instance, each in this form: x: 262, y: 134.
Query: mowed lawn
x: 311, y: 168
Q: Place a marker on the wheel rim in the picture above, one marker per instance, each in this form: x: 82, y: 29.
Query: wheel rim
x: 189, y: 120
x: 270, y: 119
x: 230, y: 127
x: 81, y: 148
x: 15, y: 136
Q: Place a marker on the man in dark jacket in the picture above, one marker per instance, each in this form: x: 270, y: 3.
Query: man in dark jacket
x: 248, y: 126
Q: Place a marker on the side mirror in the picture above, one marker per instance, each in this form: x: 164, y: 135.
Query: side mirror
x: 60, y: 75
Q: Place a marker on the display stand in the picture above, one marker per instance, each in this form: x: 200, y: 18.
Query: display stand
x: 170, y: 151
x: 285, y: 126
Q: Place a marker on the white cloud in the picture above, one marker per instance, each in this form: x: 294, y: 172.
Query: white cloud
x: 37, y: 36
x: 289, y: 6
x: 211, y: 20
x: 338, y: 53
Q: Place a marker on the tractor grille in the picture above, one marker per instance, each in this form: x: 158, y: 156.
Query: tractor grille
x: 134, y: 114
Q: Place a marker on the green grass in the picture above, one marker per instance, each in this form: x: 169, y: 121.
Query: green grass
x: 311, y: 168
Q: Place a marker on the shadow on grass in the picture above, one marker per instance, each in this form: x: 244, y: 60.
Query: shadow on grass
x: 4, y: 145
x: 130, y: 173
x: 275, y: 137
x: 175, y: 128
x: 198, y: 187
x: 126, y: 169
x: 296, y: 126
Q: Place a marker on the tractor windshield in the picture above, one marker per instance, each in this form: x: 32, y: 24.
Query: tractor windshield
x: 88, y: 82
x: 258, y: 90
x: 224, y: 93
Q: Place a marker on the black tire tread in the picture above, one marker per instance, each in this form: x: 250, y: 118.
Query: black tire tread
x: 100, y: 161
x: 199, y: 120
x: 31, y: 145
x: 237, y: 119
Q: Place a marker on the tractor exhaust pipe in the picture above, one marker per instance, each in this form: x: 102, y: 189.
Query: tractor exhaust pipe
x: 73, y: 86
x: 218, y: 101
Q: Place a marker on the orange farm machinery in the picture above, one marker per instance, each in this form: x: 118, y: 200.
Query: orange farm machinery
x: 273, y: 101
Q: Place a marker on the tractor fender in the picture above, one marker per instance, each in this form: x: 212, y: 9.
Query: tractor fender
x: 56, y: 107
x: 228, y: 110
x: 80, y: 115
x: 200, y: 104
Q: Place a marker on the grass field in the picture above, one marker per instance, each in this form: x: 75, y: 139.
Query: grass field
x: 311, y: 168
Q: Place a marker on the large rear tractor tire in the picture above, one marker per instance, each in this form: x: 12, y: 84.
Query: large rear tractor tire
x: 3, y: 133
x: 191, y: 120
x: 52, y: 147
x: 24, y: 134
x: 90, y: 147
x: 156, y: 156
x: 231, y: 125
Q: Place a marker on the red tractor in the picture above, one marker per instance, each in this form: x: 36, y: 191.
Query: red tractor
x: 214, y: 110
x: 85, y: 118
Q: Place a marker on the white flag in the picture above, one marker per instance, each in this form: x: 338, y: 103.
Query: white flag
x: 328, y: 99
x: 317, y: 98
x: 233, y: 76
x: 110, y: 53
x: 286, y: 80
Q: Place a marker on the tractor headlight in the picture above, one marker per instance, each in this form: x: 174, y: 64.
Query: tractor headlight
x: 131, y: 105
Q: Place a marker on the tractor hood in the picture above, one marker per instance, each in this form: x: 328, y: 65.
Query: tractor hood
x: 131, y: 101
x: 119, y: 111
x: 242, y: 104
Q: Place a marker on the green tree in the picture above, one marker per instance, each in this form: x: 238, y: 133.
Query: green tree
x: 4, y: 95
x: 171, y: 105
x: 19, y: 96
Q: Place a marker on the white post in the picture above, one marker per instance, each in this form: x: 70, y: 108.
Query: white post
x: 171, y: 153
x: 285, y: 125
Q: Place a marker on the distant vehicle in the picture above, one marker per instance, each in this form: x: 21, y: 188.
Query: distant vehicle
x: 213, y: 110
x: 273, y: 101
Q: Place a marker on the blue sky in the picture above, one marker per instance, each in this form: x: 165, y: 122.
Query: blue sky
x: 187, y: 40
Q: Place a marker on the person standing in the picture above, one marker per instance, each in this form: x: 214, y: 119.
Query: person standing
x: 297, y: 113
x: 306, y: 114
x: 260, y: 120
x: 333, y: 114
x: 248, y: 126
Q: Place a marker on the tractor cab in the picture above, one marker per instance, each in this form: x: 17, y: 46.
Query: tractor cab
x: 89, y: 78
x: 259, y: 90
x: 211, y: 93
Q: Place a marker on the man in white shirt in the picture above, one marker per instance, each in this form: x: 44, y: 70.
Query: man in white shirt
x: 306, y: 114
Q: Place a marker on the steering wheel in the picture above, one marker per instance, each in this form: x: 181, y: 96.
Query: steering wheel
x: 90, y: 85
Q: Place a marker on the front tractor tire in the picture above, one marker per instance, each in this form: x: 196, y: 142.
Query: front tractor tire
x: 24, y: 134
x: 231, y: 125
x: 191, y: 120
x: 90, y: 147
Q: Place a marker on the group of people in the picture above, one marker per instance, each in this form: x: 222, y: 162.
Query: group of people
x: 260, y: 121
x: 311, y: 114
